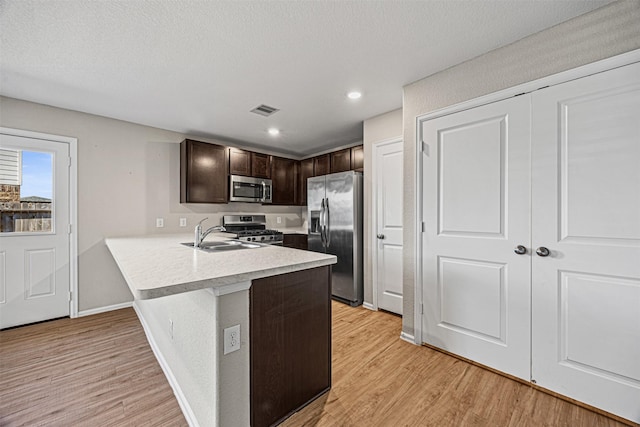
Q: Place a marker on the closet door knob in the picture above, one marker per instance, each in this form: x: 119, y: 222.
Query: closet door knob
x: 380, y: 236
x: 542, y: 251
x: 520, y: 250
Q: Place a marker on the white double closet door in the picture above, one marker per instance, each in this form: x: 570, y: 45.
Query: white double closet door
x: 556, y: 172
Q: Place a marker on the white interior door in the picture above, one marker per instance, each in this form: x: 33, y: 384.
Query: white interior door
x: 389, y: 193
x: 34, y: 251
x: 476, y: 289
x: 586, y: 211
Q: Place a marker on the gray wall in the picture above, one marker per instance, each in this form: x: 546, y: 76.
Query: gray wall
x: 128, y: 175
x: 376, y: 129
x: 605, y: 32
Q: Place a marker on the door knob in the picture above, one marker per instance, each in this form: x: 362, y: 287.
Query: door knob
x: 520, y: 250
x: 380, y: 236
x: 542, y: 251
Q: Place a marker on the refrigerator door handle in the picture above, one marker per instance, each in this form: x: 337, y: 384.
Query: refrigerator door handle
x: 322, y: 222
x: 328, y: 224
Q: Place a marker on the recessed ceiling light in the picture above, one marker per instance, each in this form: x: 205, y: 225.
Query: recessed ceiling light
x: 273, y: 131
x: 354, y: 95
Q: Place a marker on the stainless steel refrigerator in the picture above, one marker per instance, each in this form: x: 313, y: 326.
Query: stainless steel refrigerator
x: 335, y: 227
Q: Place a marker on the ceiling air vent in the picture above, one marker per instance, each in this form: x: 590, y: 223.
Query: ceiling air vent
x: 264, y: 110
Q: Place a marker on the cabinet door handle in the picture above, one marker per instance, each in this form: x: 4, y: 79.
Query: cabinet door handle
x: 520, y: 250
x: 542, y: 251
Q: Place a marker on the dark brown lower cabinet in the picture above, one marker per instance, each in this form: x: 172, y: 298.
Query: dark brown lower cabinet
x: 290, y: 322
x: 296, y: 241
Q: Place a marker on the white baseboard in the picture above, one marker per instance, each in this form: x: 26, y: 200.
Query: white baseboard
x: 177, y: 391
x: 408, y: 338
x: 368, y: 306
x: 104, y: 309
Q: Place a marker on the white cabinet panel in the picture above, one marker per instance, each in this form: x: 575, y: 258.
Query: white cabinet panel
x: 471, y: 177
x: 473, y: 297
x: 589, y: 333
x: 600, y: 165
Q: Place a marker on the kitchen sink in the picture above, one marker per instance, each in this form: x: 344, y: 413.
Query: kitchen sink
x: 225, y: 245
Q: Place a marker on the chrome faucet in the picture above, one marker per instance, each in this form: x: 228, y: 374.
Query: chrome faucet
x: 199, y: 235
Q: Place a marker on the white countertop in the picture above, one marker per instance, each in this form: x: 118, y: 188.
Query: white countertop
x: 158, y: 265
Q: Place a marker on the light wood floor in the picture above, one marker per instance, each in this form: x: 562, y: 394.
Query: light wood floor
x: 92, y: 371
x: 100, y: 371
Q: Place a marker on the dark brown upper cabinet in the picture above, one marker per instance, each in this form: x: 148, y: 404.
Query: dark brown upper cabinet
x: 239, y: 162
x: 306, y: 171
x: 357, y: 158
x: 203, y: 172
x: 322, y: 165
x: 341, y: 160
x: 284, y: 174
x: 260, y: 165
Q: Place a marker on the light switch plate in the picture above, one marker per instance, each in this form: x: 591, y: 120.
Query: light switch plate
x: 159, y: 222
x: 183, y: 222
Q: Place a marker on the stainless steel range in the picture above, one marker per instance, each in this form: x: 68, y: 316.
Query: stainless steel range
x: 252, y: 228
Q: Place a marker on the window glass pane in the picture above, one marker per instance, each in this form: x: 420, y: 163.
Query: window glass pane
x: 26, y: 191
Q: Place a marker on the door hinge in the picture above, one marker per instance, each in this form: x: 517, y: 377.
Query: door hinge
x: 421, y: 308
x: 425, y: 148
x: 70, y: 296
x: 70, y: 230
x: 422, y: 226
x: 69, y: 161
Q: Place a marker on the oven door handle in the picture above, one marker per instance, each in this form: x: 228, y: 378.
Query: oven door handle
x: 264, y: 191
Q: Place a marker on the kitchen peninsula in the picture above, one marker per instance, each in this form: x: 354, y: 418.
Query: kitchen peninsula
x: 186, y: 298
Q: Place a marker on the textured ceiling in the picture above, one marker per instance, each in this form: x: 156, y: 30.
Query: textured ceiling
x: 198, y: 67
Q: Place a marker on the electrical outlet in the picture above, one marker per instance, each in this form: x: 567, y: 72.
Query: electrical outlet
x: 279, y: 219
x: 159, y: 222
x: 231, y: 339
x: 183, y: 222
x: 171, y: 329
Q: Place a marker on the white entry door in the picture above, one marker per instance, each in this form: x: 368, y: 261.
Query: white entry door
x: 388, y: 199
x: 586, y: 212
x: 476, y: 289
x: 34, y: 249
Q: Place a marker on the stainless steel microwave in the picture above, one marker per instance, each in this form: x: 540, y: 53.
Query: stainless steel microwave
x: 248, y: 189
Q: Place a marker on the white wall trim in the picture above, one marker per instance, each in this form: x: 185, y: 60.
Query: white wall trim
x: 73, y: 204
x: 369, y: 306
x: 417, y: 268
x: 177, y: 391
x: 104, y: 309
x: 552, y: 80
x: 374, y: 215
x: 408, y: 338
